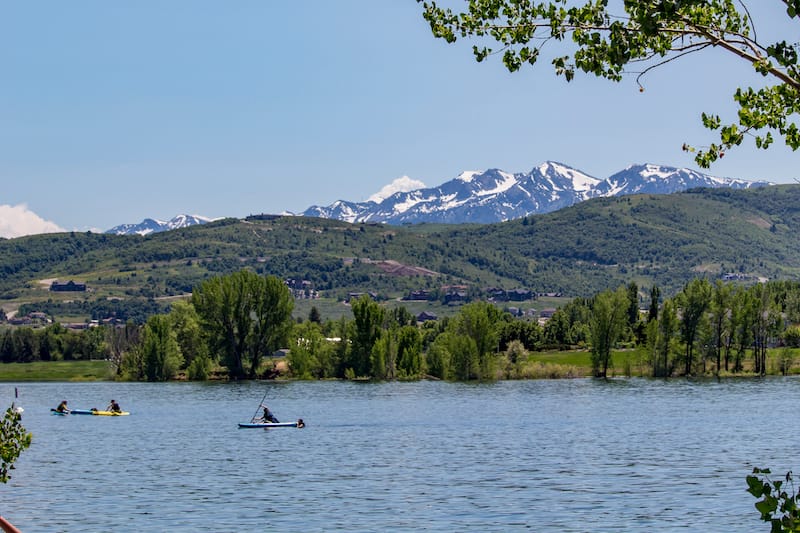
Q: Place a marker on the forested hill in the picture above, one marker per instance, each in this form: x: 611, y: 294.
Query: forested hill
x: 601, y: 243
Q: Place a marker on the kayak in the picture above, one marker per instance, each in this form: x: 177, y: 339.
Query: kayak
x: 267, y: 425
x: 89, y: 412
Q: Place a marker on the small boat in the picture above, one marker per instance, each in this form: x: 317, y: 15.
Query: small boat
x: 267, y: 425
x: 110, y: 413
x: 59, y: 413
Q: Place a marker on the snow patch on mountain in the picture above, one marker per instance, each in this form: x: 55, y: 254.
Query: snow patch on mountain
x: 467, y: 175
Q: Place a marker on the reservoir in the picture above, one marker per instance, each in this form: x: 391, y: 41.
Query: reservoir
x: 562, y: 455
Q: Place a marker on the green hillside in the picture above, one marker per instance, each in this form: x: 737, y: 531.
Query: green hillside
x: 578, y: 251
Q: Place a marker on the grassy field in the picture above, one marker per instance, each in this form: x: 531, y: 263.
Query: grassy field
x: 56, y: 371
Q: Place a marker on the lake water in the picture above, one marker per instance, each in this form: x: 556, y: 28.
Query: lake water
x: 563, y: 455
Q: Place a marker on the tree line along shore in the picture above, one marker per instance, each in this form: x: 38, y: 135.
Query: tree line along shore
x: 240, y: 326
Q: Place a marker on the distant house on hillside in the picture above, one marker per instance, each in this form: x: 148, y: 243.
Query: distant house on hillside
x: 454, y: 293
x: 419, y: 295
x: 498, y: 294
x: 69, y: 286
x: 424, y: 316
x: 520, y: 295
x: 356, y: 295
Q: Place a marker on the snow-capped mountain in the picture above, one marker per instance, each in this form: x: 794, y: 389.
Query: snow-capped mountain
x: 496, y: 196
x: 150, y: 225
x: 654, y: 179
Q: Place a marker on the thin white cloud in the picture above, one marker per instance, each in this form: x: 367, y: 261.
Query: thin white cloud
x: 404, y: 184
x: 18, y: 221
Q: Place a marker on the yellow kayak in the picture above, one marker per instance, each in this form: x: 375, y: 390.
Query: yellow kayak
x: 110, y: 413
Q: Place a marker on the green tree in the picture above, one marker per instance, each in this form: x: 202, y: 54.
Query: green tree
x: 367, y: 326
x: 655, y: 294
x: 557, y: 330
x: 663, y: 339
x: 14, y: 438
x: 528, y: 333
x: 51, y: 343
x: 384, y: 355
x: 307, y: 343
x: 693, y: 301
x: 791, y: 336
x: 409, y: 352
x: 633, y: 304
x: 764, y: 321
x: 608, y: 320
x: 185, y: 322
x: 245, y: 317
x: 95, y: 346
x: 437, y: 358
x: 479, y: 321
x: 463, y: 357
x: 650, y: 34
x: 720, y: 320
x: 314, y: 316
x: 161, y: 354
x: 741, y: 326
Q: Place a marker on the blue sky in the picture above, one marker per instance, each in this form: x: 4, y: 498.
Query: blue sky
x: 111, y: 112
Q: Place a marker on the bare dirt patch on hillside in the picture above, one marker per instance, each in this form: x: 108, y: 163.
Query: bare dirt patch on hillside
x: 395, y: 268
x: 760, y: 222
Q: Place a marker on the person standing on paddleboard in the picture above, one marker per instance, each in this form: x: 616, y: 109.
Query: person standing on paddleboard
x: 268, y: 416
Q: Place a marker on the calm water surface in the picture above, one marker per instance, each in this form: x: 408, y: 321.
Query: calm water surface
x: 565, y: 455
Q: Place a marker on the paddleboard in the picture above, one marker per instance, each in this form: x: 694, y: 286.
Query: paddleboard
x: 89, y: 412
x: 268, y: 424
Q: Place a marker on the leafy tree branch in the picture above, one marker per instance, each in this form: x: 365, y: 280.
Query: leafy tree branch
x: 652, y: 33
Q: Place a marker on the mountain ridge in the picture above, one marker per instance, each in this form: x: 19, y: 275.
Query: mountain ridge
x: 495, y: 195
x: 488, y: 196
x: 152, y: 225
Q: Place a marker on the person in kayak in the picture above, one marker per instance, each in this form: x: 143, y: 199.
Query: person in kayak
x: 114, y: 407
x: 62, y: 407
x: 268, y: 416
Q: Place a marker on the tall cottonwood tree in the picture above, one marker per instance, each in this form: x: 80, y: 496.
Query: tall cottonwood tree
x: 693, y: 301
x: 720, y: 308
x: 245, y: 316
x: 661, y: 339
x: 367, y: 329
x: 763, y: 318
x: 479, y: 322
x: 608, y: 320
x: 610, y: 41
x: 160, y: 353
